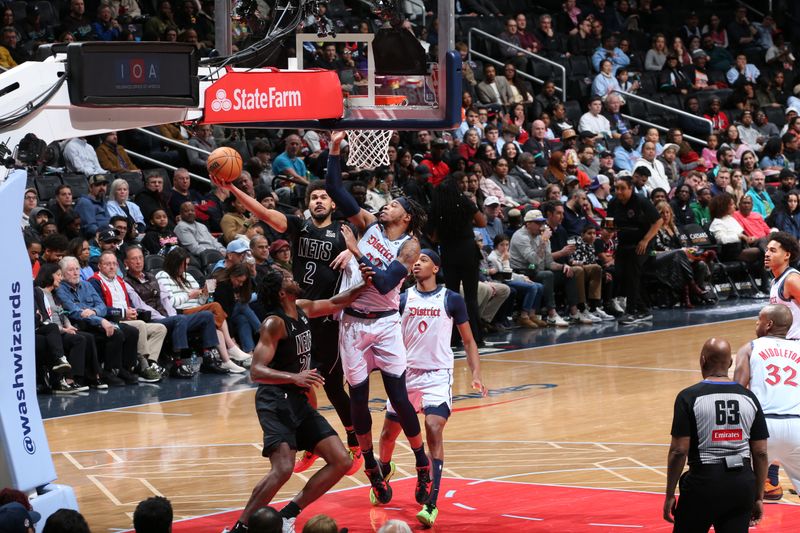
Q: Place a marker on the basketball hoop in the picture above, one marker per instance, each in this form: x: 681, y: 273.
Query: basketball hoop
x: 369, y: 148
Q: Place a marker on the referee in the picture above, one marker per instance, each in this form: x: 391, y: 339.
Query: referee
x: 720, y: 425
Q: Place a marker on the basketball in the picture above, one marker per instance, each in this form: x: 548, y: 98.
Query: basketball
x: 225, y: 164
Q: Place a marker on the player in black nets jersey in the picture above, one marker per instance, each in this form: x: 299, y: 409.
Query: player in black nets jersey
x: 319, y: 253
x: 282, y: 368
x: 719, y: 425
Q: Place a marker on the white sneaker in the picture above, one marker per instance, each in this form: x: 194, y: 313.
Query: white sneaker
x: 556, y: 320
x: 602, y: 315
x: 288, y: 525
x: 591, y: 316
x: 232, y: 367
x: 237, y: 353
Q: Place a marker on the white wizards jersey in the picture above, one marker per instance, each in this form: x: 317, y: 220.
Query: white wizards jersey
x: 775, y: 375
x: 380, y: 251
x: 427, y: 327
x: 776, y: 297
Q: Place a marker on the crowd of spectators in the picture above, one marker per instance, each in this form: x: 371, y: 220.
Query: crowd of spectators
x: 545, y: 215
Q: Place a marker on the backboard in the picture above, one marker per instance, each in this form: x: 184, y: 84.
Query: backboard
x: 379, y: 65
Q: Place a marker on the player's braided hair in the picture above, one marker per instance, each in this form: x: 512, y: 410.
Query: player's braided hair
x: 418, y: 217
x: 269, y: 289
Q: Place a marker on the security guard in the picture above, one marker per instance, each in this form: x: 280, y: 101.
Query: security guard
x: 720, y: 425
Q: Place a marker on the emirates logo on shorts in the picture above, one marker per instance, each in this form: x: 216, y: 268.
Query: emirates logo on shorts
x: 221, y: 102
x: 722, y: 435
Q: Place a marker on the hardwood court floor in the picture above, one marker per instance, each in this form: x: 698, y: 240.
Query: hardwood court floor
x: 586, y: 414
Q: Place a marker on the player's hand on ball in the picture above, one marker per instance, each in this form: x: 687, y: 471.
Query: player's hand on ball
x: 219, y: 183
x: 309, y: 378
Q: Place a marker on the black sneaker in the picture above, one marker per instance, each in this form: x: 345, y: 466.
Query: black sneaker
x: 423, y: 491
x: 128, y: 377
x: 61, y: 387
x: 627, y: 320
x: 645, y: 316
x: 110, y: 377
x: 212, y: 362
x: 97, y: 384
x: 61, y: 366
x: 381, y: 492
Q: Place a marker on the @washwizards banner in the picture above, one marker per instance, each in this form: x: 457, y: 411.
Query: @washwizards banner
x: 25, y: 461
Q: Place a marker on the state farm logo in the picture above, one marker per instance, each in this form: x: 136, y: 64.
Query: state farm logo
x: 721, y: 435
x: 221, y: 102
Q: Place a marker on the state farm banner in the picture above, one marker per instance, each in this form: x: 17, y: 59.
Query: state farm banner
x: 25, y: 461
x: 266, y: 95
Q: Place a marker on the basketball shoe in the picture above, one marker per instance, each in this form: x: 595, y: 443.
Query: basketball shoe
x: 427, y: 516
x: 423, y: 491
x: 305, y: 462
x: 772, y: 492
x: 381, y: 492
x: 288, y: 525
x: 358, y: 460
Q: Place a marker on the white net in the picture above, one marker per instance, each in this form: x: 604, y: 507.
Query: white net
x: 368, y: 148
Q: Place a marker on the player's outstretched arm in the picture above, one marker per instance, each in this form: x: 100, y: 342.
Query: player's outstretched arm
x: 272, y: 217
x: 473, y: 358
x: 317, y: 308
x: 335, y: 187
x: 742, y: 373
x: 271, y: 332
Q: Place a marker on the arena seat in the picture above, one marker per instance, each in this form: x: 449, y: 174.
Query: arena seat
x: 209, y: 257
x: 78, y: 184
x: 135, y: 181
x: 154, y: 263
x: 46, y: 186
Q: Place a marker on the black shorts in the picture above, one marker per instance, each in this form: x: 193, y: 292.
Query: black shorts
x: 711, y: 495
x: 286, y: 416
x: 325, y: 344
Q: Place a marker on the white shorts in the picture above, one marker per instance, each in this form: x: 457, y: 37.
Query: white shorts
x: 783, y: 446
x: 367, y: 344
x: 427, y: 388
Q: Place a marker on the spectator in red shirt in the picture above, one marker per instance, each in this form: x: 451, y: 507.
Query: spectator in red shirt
x: 718, y: 118
x: 753, y: 223
x: 435, y: 162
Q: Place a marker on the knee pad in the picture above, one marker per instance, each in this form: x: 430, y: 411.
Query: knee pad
x: 359, y: 408
x: 398, y: 395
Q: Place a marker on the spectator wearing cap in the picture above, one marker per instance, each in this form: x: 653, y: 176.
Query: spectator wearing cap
x: 606, y: 164
x: 93, y: 208
x: 80, y: 157
x: 493, y: 212
x: 697, y: 73
x: 719, y: 120
x: 112, y: 156
x: 31, y: 30
x: 420, y: 189
x: 658, y: 177
x: 742, y: 72
x: 593, y: 121
x: 599, y: 191
x: 435, y: 161
x: 106, y: 239
x: 510, y: 133
x: 193, y: 235
x: 236, y: 252
x: 788, y: 182
x: 669, y: 160
x: 530, y: 255
x: 15, y: 518
x: 569, y: 140
x: 281, y: 253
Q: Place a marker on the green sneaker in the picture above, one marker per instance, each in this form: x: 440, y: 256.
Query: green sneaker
x: 427, y: 516
x: 381, y: 492
x: 150, y: 375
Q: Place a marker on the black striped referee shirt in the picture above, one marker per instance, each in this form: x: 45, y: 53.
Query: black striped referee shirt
x: 720, y: 418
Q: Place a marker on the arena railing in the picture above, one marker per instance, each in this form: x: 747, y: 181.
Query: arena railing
x: 172, y: 142
x: 649, y: 102
x: 480, y: 33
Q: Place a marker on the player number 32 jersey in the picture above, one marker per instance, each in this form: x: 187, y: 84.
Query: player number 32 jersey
x: 775, y: 375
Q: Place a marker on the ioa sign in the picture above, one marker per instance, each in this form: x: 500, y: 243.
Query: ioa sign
x: 271, y: 95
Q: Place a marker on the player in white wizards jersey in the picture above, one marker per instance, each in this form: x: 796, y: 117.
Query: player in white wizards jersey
x: 428, y: 311
x: 770, y: 366
x: 369, y: 330
x: 782, y: 250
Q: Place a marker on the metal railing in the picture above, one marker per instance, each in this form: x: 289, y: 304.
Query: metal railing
x: 164, y: 165
x: 489, y: 36
x: 669, y: 109
x: 754, y: 10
